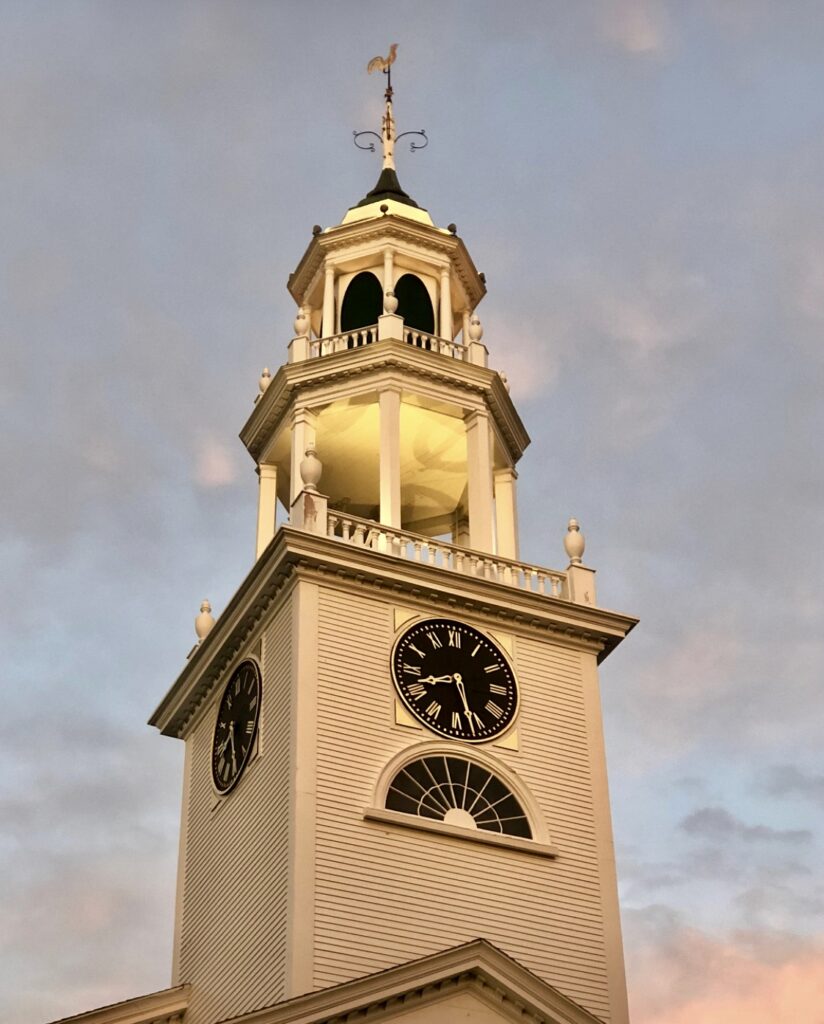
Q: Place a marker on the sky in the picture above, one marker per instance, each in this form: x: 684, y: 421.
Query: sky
x: 641, y: 183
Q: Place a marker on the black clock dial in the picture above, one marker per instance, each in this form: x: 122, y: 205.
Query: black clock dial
x: 455, y: 680
x: 236, y: 726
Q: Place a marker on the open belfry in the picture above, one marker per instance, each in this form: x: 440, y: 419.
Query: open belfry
x: 395, y: 798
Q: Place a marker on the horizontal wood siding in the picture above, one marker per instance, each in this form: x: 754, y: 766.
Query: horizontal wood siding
x: 384, y: 894
x: 234, y: 922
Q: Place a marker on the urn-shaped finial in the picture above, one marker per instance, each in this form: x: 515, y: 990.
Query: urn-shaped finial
x: 310, y: 470
x: 476, y: 331
x: 265, y: 379
x: 204, y: 621
x: 505, y: 381
x: 390, y: 302
x: 574, y: 542
x: 301, y: 324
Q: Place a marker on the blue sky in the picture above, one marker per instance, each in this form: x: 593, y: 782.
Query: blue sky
x: 642, y: 184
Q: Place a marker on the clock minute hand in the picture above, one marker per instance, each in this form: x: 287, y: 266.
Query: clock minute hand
x: 467, y: 711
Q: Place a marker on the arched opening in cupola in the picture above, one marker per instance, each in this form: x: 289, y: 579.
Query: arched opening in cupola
x: 362, y: 302
x: 414, y: 304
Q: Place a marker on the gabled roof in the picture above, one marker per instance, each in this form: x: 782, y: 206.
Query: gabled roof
x: 165, y: 1007
x: 424, y: 989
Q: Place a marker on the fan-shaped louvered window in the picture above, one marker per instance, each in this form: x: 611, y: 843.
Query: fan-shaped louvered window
x: 414, y: 304
x: 457, y: 792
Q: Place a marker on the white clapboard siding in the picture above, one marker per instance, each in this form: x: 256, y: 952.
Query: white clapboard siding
x: 233, y: 932
x: 384, y: 894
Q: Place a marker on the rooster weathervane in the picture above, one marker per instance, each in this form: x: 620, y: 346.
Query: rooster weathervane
x: 387, y: 137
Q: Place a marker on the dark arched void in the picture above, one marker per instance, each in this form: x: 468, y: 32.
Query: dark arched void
x: 414, y: 304
x: 362, y: 303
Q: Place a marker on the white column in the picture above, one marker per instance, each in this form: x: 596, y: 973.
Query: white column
x: 466, y: 327
x: 506, y: 513
x: 388, y: 271
x: 328, y: 323
x: 267, y: 505
x: 389, y: 400
x: 303, y: 436
x: 446, y: 305
x: 479, y: 481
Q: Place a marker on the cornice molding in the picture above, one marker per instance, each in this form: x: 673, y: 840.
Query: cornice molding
x: 298, y: 554
x: 293, y: 378
x: 380, y: 230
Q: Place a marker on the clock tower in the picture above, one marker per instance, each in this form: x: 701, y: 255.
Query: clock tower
x: 394, y: 786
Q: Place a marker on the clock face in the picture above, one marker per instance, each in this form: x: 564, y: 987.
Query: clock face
x: 455, y: 680
x: 236, y: 726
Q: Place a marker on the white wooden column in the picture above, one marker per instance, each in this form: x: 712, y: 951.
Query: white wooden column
x: 303, y: 436
x: 389, y: 401
x: 446, y: 305
x: 267, y: 506
x: 479, y: 481
x: 388, y: 272
x: 506, y: 512
x: 328, y: 323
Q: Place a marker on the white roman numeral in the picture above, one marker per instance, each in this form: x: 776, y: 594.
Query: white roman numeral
x: 434, y: 709
x: 454, y: 637
x: 456, y: 720
x: 497, y: 688
x: 493, y: 709
x: 492, y: 668
x: 417, y: 690
x: 412, y: 670
x: 417, y: 651
x: 433, y: 639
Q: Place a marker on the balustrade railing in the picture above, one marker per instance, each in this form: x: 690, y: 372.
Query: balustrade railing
x: 415, y: 548
x: 431, y: 343
x: 347, y: 340
x: 343, y: 342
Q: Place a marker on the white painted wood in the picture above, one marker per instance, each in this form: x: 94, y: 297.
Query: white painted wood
x: 506, y: 513
x: 328, y: 324
x: 233, y: 927
x: 446, y: 304
x: 303, y: 437
x: 389, y: 401
x: 479, y: 481
x: 385, y: 894
x: 267, y: 505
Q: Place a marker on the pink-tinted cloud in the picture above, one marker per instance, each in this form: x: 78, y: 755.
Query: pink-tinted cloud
x: 680, y: 975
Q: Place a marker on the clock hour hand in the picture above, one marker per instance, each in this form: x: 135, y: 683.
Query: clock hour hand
x: 436, y: 679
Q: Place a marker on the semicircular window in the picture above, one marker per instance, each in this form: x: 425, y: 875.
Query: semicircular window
x: 457, y: 792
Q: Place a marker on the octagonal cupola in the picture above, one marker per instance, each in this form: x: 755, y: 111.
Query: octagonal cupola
x: 387, y: 380
x: 387, y: 256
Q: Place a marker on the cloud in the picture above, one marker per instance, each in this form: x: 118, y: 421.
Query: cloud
x: 639, y: 27
x: 685, y: 975
x: 215, y: 464
x: 718, y: 824
x: 788, y: 780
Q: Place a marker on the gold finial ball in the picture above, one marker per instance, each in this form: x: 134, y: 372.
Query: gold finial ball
x: 204, y: 621
x: 574, y: 542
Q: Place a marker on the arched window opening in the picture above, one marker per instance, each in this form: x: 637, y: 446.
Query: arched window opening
x: 459, y: 792
x: 414, y: 304
x: 362, y: 303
